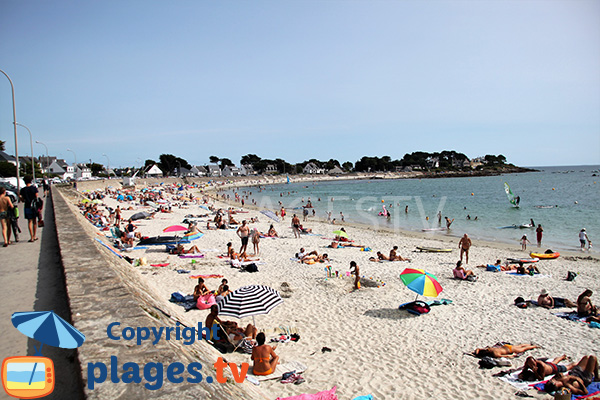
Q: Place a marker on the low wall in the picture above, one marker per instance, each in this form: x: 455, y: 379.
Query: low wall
x: 102, y: 289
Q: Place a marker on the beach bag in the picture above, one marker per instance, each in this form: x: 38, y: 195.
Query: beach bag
x: 417, y: 307
x: 251, y: 268
x: 571, y: 276
x: 487, y: 363
x: 493, y: 268
x: 177, y: 297
x: 40, y: 223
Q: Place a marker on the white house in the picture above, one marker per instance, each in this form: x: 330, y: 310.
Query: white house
x: 8, y: 158
x: 62, y: 169
x: 231, y: 170
x: 82, y: 172
x: 154, y: 172
x: 199, y: 170
x: 247, y: 170
x: 311, y: 168
x: 213, y: 170
x: 433, y: 162
x: 271, y: 169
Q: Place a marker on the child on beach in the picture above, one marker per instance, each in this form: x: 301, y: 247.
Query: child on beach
x: 356, y: 272
x: 524, y: 242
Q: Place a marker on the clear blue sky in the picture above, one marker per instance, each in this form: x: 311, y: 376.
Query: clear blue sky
x: 303, y: 79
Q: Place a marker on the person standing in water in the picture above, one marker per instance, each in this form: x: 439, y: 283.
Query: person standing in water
x: 539, y: 233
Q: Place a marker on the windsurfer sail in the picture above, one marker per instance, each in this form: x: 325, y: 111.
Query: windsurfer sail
x: 511, y: 197
x: 288, y: 179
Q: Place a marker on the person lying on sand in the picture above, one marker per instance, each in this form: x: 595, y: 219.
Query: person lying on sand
x: 314, y: 256
x: 580, y: 376
x: 529, y: 270
x: 536, y: 369
x: 380, y: 257
x: 335, y: 245
x: 547, y: 301
x: 231, y: 327
x: 265, y: 359
x: 585, y: 308
x: 504, y: 350
x: 181, y: 250
x: 395, y: 257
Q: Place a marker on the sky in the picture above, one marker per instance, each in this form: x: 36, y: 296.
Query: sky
x: 125, y: 81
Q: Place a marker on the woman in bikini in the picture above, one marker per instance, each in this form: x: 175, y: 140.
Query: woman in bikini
x: 200, y: 289
x: 265, y: 359
x: 272, y: 232
x: 504, y: 350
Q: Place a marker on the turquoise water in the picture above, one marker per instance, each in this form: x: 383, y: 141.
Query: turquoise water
x: 571, y: 192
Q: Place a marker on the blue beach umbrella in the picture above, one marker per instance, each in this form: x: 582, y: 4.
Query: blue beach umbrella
x: 48, y: 328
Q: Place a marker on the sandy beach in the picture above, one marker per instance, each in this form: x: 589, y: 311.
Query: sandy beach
x: 375, y: 347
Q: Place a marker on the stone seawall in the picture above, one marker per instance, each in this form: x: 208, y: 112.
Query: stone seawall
x: 102, y: 289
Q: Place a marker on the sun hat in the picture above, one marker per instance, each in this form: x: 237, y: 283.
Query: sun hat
x: 544, y: 292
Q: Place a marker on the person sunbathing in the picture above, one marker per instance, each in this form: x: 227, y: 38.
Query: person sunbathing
x: 585, y: 308
x: 314, y: 256
x: 504, y: 350
x: 231, y: 328
x: 222, y: 292
x: 265, y: 359
x: 304, y: 230
x: 272, y: 232
x: 461, y: 273
x: 529, y: 270
x: 536, y: 369
x: 547, y: 301
x: 232, y: 221
x: 380, y: 257
x: 578, y: 378
x: 181, y: 250
x: 395, y: 257
x: 200, y: 289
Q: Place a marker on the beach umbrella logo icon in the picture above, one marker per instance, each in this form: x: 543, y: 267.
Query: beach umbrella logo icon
x: 32, y: 377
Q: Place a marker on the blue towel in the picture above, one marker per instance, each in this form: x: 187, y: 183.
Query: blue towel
x: 367, y: 397
x: 593, y: 388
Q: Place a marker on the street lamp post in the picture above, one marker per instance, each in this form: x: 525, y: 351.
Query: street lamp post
x: 31, y: 144
x: 15, y: 127
x: 47, y: 157
x: 75, y: 169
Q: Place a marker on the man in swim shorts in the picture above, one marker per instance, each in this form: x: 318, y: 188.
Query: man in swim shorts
x: 536, y: 369
x: 243, y: 232
x: 580, y: 376
x: 464, y: 245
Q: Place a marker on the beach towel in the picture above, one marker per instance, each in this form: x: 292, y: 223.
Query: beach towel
x: 532, y: 276
x: 513, y: 379
x: 280, y: 370
x: 182, y: 300
x: 206, y: 276
x: 571, y: 316
x: 593, y: 390
x: 367, y: 397
x: 326, y: 395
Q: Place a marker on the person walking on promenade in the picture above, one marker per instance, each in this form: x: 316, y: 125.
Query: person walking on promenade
x: 6, y: 207
x: 29, y: 195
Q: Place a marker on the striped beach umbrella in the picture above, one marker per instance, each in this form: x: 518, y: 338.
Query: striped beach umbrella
x: 249, y: 301
x: 175, y: 228
x: 48, y: 328
x: 421, y: 282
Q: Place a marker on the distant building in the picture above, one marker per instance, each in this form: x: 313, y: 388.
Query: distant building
x: 61, y: 169
x: 46, y: 162
x: 7, y: 158
x: 433, y: 162
x: 213, y: 170
x: 183, y: 171
x: 335, y: 171
x: 247, y: 170
x: 271, y: 169
x: 312, y: 169
x: 154, y: 172
x: 82, y: 172
x: 199, y: 170
x: 231, y: 170
x: 476, y: 162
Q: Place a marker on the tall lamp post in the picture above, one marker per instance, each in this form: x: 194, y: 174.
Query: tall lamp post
x: 108, y: 165
x: 15, y: 127
x: 47, y: 157
x: 75, y: 169
x: 31, y: 144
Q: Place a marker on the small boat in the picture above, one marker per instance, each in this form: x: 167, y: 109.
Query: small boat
x: 433, y: 250
x: 545, y: 256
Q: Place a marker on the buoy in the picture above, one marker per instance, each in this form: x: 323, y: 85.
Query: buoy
x: 553, y: 189
x: 383, y: 201
x: 472, y: 194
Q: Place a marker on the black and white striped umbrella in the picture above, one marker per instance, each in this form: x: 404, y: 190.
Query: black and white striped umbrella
x: 248, y: 301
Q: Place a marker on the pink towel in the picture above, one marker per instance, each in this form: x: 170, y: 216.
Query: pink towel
x: 326, y: 395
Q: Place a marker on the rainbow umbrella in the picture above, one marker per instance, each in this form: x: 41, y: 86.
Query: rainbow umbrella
x: 175, y: 228
x: 421, y: 282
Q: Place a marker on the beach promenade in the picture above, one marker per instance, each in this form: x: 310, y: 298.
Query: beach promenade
x: 31, y: 279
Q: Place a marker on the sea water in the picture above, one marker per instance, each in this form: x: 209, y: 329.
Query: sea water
x: 562, y: 199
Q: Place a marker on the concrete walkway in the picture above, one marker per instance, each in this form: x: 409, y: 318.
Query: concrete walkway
x: 31, y: 279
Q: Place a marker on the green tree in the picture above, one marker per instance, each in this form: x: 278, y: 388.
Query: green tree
x: 225, y: 162
x: 148, y: 163
x: 214, y: 159
x: 7, y: 169
x: 251, y: 159
x: 2, y: 143
x: 348, y: 166
x: 97, y: 169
